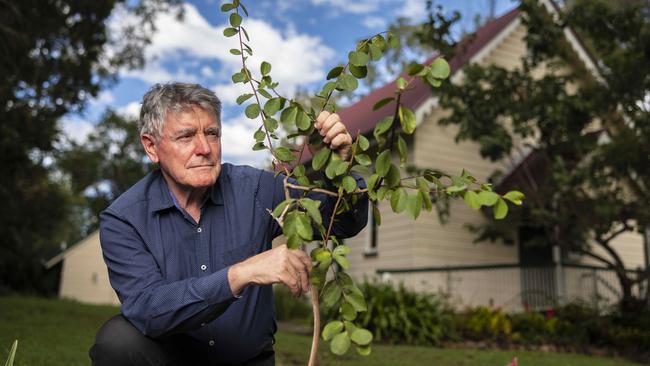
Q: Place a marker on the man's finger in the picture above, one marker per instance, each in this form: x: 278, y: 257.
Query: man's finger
x: 341, y: 140
x: 337, y: 129
x: 328, y: 123
x: 322, y: 116
x: 305, y: 259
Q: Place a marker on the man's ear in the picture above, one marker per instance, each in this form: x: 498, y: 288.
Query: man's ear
x: 149, y: 144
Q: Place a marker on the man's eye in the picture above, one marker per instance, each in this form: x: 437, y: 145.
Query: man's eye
x: 185, y: 138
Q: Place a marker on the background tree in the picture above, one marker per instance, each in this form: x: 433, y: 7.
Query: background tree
x: 587, y: 173
x: 54, y: 56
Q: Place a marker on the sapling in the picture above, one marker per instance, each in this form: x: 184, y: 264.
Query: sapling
x: 284, y: 120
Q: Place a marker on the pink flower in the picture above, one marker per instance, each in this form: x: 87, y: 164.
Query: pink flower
x: 514, y: 362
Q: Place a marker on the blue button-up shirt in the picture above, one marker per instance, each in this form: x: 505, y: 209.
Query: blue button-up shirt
x: 170, y: 272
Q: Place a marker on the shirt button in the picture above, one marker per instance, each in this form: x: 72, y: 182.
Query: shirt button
x: 203, y: 324
x: 199, y: 230
x: 211, y: 343
x: 203, y: 267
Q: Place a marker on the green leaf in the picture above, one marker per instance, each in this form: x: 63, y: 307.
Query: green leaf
x: 297, y: 224
x: 440, y: 68
x: 348, y: 311
x: 382, y: 102
x: 355, y: 298
x: 372, y: 181
x: 379, y: 41
x: 277, y: 211
x: 407, y: 119
x: 414, y: 205
x: 361, y: 337
x: 383, y: 126
x: 456, y: 188
x: 259, y: 135
x: 264, y: 93
x: 238, y: 77
x: 400, y: 83
x: 321, y: 158
x: 422, y: 184
x: 364, y: 350
x: 364, y: 144
x: 393, y: 177
x: 472, y: 200
x: 335, y: 72
x: 331, y: 329
x: 302, y: 121
x: 375, y: 52
x: 500, y: 209
x: 363, y: 170
x: 229, y: 32
x: 235, y: 20
x: 299, y: 171
x: 340, y: 343
x: 289, y: 115
x: 402, y: 150
x: 272, y: 106
x: 328, y: 87
x: 349, y: 326
x: 358, y: 72
x: 312, y: 209
x: 426, y: 199
x: 235, y: 51
x: 244, y: 97
x: 515, y: 197
x: 341, y: 250
x: 349, y: 184
x: 259, y: 146
x: 333, y: 168
x: 487, y: 198
x: 252, y: 111
x: 271, y: 124
x: 284, y: 154
x: 227, y: 7
x: 363, y: 159
x: 398, y: 200
x: 265, y: 68
x: 358, y: 58
x: 331, y: 293
x: 342, y: 261
x: 347, y: 82
x: 414, y: 68
x: 382, y: 164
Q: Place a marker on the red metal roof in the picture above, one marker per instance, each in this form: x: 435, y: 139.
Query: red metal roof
x: 360, y: 116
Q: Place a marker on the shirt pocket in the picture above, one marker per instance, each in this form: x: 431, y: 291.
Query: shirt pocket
x: 238, y: 253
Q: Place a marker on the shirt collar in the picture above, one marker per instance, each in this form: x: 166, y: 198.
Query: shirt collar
x: 161, y: 197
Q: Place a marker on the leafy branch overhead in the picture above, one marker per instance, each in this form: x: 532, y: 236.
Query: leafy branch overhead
x: 380, y: 159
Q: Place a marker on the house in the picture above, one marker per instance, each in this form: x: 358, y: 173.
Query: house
x: 425, y: 254
x: 84, y: 276
x: 429, y: 256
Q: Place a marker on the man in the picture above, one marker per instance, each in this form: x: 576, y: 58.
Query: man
x: 188, y: 248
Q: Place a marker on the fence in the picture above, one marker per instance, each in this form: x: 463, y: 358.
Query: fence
x: 512, y: 287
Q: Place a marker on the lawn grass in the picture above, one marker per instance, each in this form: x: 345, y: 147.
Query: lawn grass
x: 55, y: 332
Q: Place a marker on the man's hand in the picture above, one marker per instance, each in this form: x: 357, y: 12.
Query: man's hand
x: 334, y: 133
x: 278, y: 265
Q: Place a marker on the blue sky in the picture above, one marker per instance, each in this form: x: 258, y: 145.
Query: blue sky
x: 302, y: 39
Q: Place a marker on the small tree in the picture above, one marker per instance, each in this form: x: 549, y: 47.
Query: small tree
x: 588, y: 177
x: 298, y: 216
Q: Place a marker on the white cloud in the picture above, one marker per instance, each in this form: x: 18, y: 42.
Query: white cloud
x: 207, y: 72
x: 130, y: 110
x: 355, y: 7
x: 237, y: 142
x: 76, y: 128
x: 297, y: 59
x: 374, y: 22
x: 415, y: 10
x: 228, y: 92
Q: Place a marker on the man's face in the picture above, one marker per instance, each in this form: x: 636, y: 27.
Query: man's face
x: 189, y: 151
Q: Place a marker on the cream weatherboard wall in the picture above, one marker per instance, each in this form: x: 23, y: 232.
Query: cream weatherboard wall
x: 84, y: 276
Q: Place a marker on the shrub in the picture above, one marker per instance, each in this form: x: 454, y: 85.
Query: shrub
x: 533, y: 328
x: 483, y: 323
x: 398, y: 315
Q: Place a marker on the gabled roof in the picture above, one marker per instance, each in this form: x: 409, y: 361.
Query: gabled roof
x: 360, y: 117
x: 92, y: 237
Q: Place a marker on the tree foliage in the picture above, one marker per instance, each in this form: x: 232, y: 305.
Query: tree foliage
x: 587, y: 130
x: 54, y: 55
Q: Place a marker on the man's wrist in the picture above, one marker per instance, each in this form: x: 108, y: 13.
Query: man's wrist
x: 238, y: 278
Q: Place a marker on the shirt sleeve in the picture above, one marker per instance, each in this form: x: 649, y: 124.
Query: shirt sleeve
x: 346, y: 224
x: 155, y: 305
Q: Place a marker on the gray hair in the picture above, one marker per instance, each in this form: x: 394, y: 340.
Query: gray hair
x: 174, y: 97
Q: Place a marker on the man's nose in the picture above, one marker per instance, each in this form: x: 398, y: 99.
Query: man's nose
x: 202, y: 146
